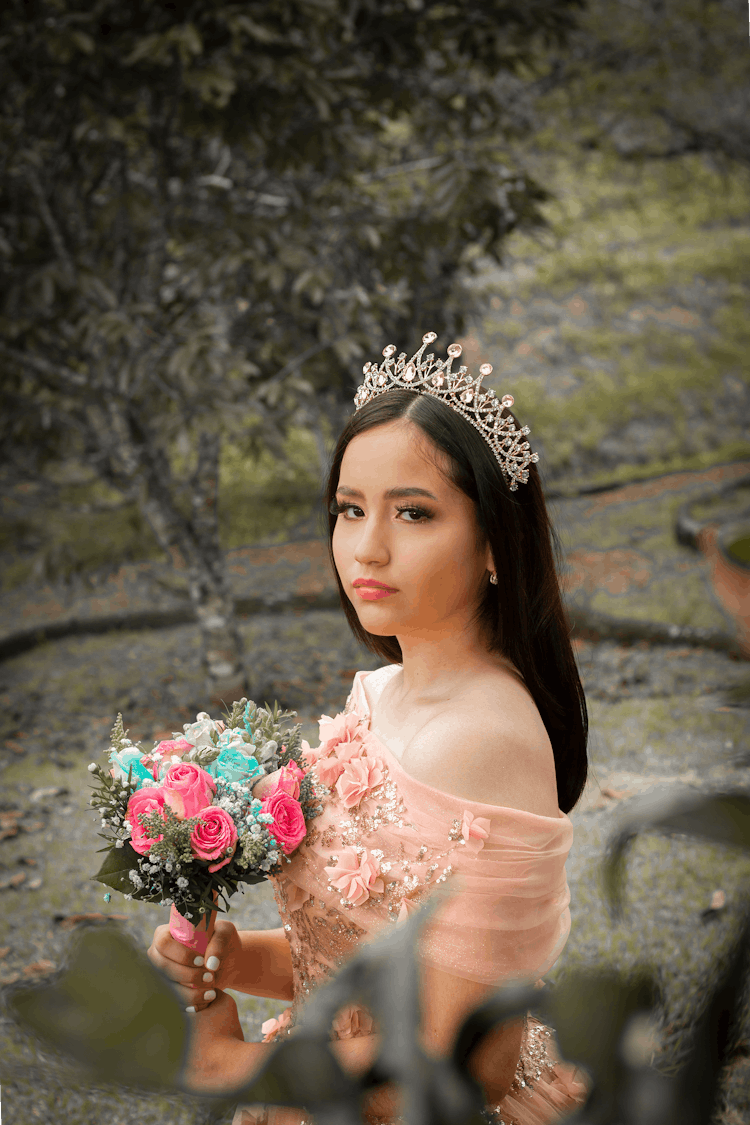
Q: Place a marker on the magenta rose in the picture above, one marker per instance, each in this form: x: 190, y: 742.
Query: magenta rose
x: 214, y: 836
x: 187, y: 789
x: 144, y: 801
x: 288, y: 826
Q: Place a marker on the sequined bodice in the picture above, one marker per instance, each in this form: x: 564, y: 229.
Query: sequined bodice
x: 384, y: 841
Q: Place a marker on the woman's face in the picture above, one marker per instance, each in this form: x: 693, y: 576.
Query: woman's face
x: 429, y: 555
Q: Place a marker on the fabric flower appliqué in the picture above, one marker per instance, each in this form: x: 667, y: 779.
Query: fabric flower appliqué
x: 358, y: 776
x: 475, y: 830
x: 344, y: 728
x: 295, y: 896
x: 272, y: 1027
x: 342, y: 740
x: 356, y: 877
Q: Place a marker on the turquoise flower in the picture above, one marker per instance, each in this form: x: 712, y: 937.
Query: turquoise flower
x: 233, y: 765
x: 122, y: 761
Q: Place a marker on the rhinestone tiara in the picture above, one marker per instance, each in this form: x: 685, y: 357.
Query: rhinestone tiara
x: 462, y: 393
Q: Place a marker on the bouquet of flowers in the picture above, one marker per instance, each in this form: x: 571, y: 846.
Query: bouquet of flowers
x: 182, y: 824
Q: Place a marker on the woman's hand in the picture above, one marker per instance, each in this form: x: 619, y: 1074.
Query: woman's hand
x: 198, y: 978
x: 213, y: 1032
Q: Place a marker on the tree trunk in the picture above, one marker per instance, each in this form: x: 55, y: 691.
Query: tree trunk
x: 210, y: 591
x: 192, y: 544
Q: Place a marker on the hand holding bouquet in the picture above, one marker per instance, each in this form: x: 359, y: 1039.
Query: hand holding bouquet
x: 223, y: 803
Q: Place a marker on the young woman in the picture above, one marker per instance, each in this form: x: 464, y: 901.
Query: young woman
x: 456, y: 761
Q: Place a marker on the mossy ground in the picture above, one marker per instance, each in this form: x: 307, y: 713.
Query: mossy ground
x: 656, y: 716
x: 621, y: 330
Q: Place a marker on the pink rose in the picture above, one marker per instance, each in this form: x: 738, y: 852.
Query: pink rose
x: 359, y: 775
x: 352, y: 1021
x: 187, y: 789
x: 214, y: 835
x: 143, y: 802
x: 171, y: 746
x: 272, y: 1027
x: 160, y: 757
x: 355, y: 877
x: 475, y: 830
x: 289, y: 779
x: 288, y: 826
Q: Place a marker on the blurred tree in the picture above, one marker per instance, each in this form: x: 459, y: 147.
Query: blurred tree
x: 653, y: 79
x: 199, y: 199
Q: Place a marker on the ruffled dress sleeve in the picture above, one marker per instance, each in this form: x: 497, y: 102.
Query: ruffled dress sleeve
x: 508, y: 915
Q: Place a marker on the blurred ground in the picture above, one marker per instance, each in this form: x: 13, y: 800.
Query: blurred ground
x: 660, y: 714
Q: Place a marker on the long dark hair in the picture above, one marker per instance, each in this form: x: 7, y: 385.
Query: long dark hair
x: 523, y: 617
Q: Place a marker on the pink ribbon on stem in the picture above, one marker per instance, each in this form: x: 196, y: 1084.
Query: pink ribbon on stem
x: 192, y: 936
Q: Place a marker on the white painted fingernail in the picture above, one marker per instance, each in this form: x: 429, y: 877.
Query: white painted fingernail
x: 190, y: 1009
x: 213, y: 963
x: 198, y: 961
x: 208, y: 976
x: 210, y: 995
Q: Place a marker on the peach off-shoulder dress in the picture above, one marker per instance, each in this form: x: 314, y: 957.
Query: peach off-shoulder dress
x: 382, y: 843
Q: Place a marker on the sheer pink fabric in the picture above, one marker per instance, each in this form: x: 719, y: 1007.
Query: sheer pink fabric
x: 381, y: 846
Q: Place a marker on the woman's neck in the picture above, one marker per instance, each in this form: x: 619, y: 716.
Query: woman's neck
x: 422, y: 683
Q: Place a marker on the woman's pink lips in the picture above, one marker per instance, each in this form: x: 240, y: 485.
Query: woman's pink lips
x: 372, y: 593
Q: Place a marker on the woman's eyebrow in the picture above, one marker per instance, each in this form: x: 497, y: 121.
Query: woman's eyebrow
x: 391, y: 494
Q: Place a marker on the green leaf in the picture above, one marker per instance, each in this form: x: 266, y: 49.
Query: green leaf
x: 115, y: 868
x: 722, y: 818
x: 153, y: 47
x: 112, y: 1011
x: 255, y: 30
x: 82, y: 41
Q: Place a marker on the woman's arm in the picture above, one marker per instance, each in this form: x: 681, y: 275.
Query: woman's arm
x: 220, y: 1059
x: 446, y: 1001
x: 263, y: 966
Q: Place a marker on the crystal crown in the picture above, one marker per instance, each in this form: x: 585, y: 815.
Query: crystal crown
x: 462, y: 393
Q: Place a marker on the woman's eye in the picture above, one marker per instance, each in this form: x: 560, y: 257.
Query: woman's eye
x: 417, y: 515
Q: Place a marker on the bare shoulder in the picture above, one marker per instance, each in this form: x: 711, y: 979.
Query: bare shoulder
x: 489, y: 746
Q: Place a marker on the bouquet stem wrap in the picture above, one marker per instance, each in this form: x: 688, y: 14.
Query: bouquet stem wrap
x: 194, y: 937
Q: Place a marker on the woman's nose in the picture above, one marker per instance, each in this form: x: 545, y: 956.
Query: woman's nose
x: 371, y: 543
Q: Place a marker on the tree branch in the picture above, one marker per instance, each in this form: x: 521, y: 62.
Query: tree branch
x: 44, y: 367
x: 49, y: 221
x: 298, y: 360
